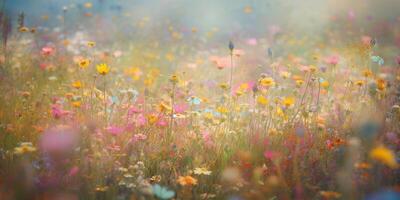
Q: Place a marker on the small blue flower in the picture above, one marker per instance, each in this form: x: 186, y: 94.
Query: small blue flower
x: 377, y: 59
x: 162, y: 192
x: 194, y: 100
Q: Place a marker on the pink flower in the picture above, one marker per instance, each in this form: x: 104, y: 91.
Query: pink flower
x: 270, y: 154
x: 162, y: 122
x: 220, y: 62
x: 252, y: 41
x: 304, y: 68
x: 73, y: 171
x: 207, y: 139
x: 114, y: 130
x: 47, y: 51
x: 43, y: 66
x: 57, y: 111
x: 333, y: 60
x: 351, y: 15
x: 59, y: 140
x: 133, y: 110
x: 180, y: 108
x: 141, y: 120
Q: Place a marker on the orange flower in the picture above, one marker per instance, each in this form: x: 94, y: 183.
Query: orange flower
x: 367, y: 73
x: 187, y: 180
x: 77, y: 84
x: 381, y: 84
x: 330, y: 194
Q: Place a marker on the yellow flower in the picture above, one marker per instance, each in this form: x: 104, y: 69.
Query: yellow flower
x: 224, y: 86
x: 315, y: 57
x: 325, y: 84
x: 155, y: 179
x: 222, y: 109
x: 208, y: 116
x: 90, y: 44
x: 266, y: 82
x: 77, y: 84
x: 187, y: 180
x: 174, y: 79
x: 280, y: 113
x: 313, y: 69
x: 285, y: 74
x: 262, y: 100
x: 103, y: 69
x: 239, y: 93
x: 23, y: 148
x: 164, y: 107
x: 288, y: 101
x: 134, y: 72
x: 84, y: 63
x: 299, y: 82
x: 152, y: 118
x: 201, y: 171
x: 243, y: 87
x: 76, y: 104
x: 148, y: 81
x: 384, y: 155
x: 23, y: 29
x: 359, y: 83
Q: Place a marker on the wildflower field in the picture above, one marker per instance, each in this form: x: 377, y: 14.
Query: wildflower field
x: 179, y: 99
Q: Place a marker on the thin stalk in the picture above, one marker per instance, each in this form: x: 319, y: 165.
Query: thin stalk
x: 302, y: 99
x: 105, y: 102
x: 231, y: 77
x: 171, y: 123
x: 317, y: 108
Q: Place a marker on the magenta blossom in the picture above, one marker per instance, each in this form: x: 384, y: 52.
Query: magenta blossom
x: 57, y: 111
x: 73, y: 171
x: 133, y: 110
x: 162, y: 122
x: 141, y: 120
x: 114, y: 130
x: 270, y: 154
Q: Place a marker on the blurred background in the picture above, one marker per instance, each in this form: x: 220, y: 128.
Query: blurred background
x: 228, y: 16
